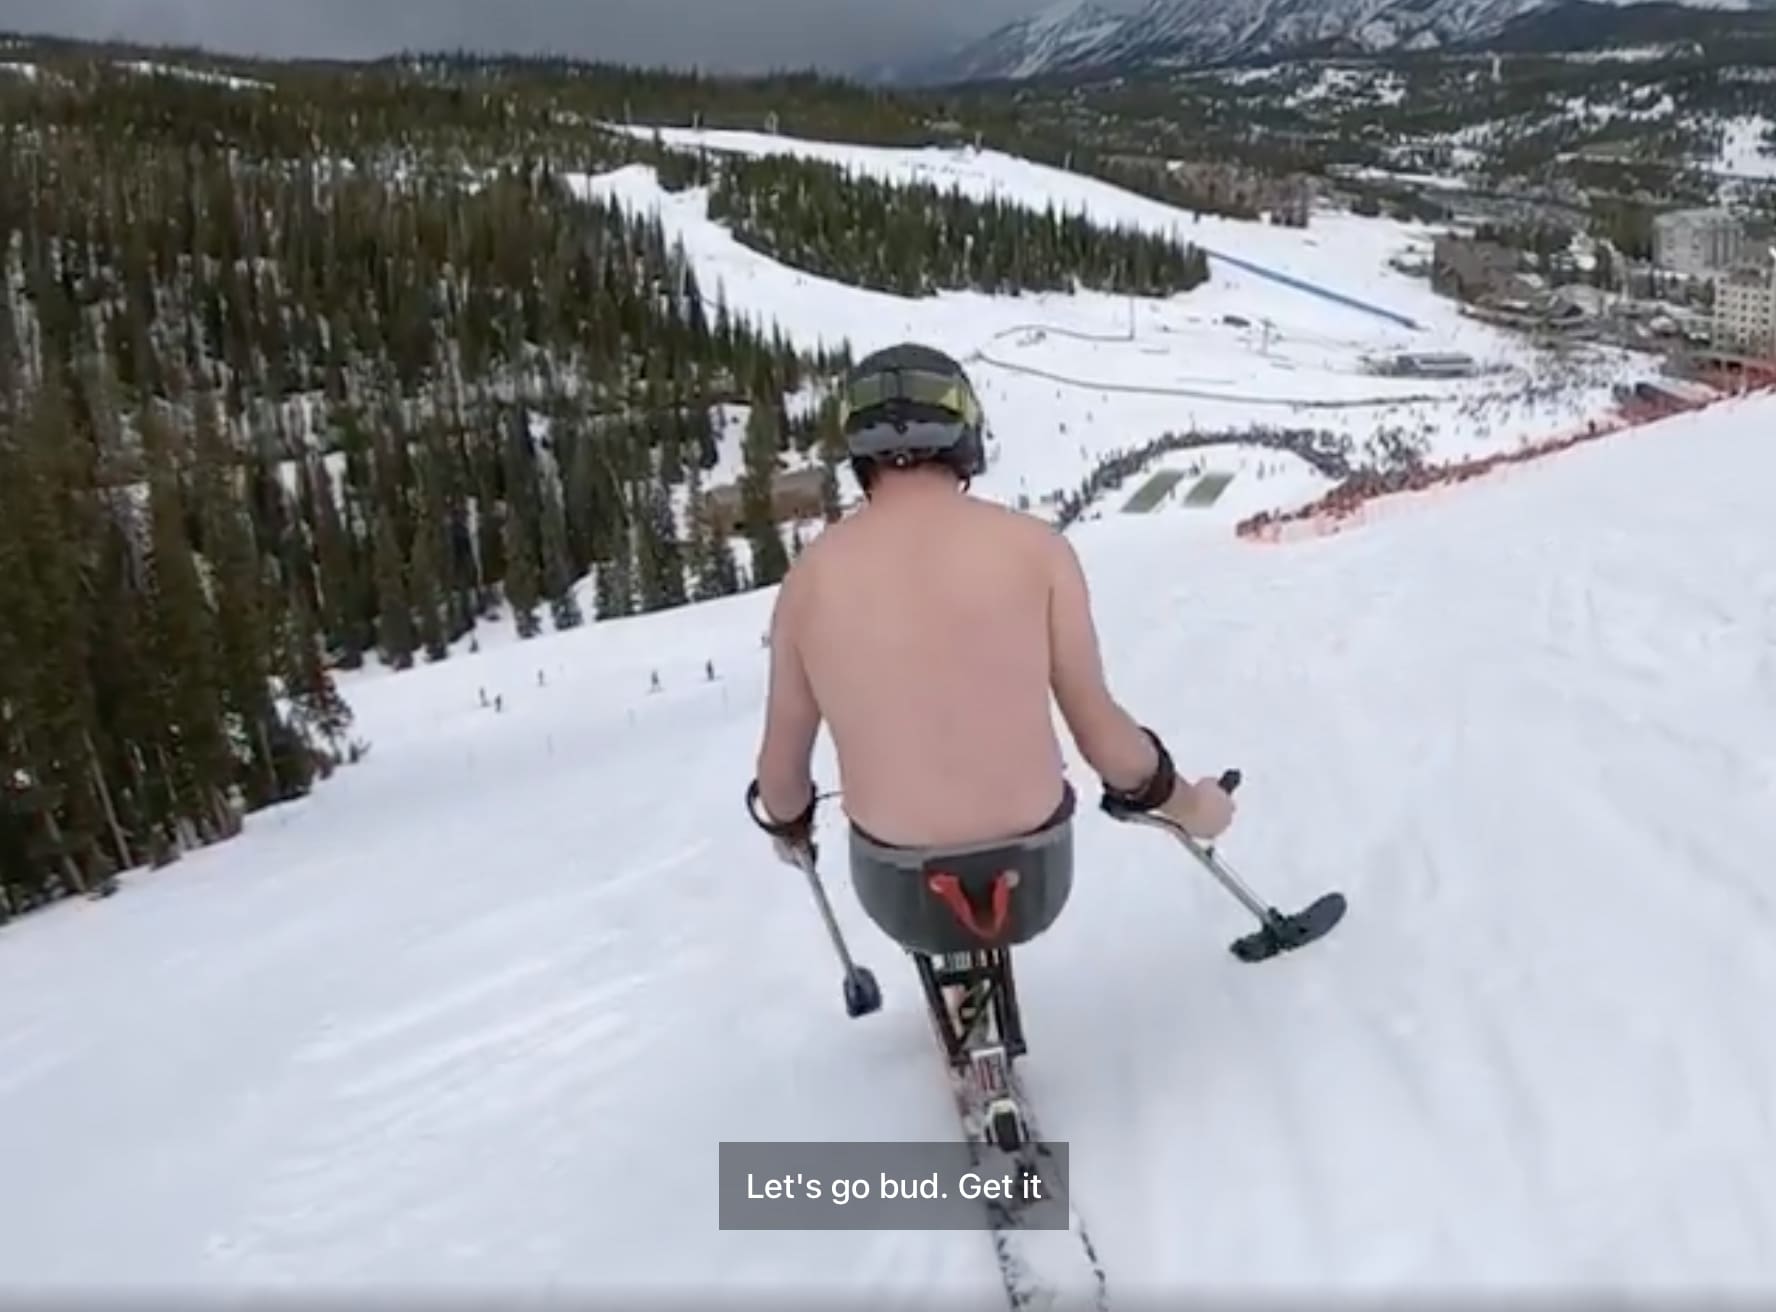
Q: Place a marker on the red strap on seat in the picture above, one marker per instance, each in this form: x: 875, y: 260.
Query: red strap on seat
x: 949, y: 888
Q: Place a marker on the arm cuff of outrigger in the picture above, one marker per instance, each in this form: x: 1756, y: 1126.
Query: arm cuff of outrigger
x: 1157, y: 790
x: 786, y: 828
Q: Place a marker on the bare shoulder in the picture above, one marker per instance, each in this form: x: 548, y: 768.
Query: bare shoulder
x: 1036, y: 538
x: 814, y: 560
x: 830, y: 540
x: 1011, y: 520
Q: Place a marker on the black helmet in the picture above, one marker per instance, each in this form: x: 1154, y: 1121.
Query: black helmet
x: 910, y: 405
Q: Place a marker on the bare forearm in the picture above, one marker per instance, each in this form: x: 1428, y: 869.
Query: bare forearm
x: 1115, y: 746
x: 785, y: 781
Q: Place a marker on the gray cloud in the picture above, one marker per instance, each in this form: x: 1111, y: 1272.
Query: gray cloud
x: 737, y: 35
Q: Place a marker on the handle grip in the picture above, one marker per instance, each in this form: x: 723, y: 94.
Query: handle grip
x: 1229, y: 782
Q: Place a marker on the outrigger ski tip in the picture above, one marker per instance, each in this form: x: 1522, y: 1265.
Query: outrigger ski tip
x: 1286, y: 933
x: 1277, y: 933
x: 863, y: 995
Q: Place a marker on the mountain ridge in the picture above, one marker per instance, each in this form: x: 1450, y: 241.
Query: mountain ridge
x: 1081, y: 36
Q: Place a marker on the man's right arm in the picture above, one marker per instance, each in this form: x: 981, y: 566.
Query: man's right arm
x: 1112, y: 743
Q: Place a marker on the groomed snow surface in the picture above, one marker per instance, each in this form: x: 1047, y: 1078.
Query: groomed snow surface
x: 475, y: 1016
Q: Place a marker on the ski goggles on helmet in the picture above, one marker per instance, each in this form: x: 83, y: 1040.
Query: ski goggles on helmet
x: 907, y: 410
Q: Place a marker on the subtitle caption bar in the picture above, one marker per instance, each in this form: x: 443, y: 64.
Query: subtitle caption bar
x: 887, y: 1186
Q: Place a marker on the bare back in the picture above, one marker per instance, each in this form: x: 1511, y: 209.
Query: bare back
x: 924, y: 629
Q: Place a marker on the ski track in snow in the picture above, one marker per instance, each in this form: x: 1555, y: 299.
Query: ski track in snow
x: 478, y: 1012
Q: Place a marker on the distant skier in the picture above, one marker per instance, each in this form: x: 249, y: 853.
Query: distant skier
x: 654, y: 686
x: 928, y: 630
x: 709, y: 671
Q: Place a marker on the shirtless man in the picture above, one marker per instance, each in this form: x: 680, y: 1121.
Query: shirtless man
x: 928, y: 630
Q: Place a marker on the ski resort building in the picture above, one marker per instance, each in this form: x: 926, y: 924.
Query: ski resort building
x: 1427, y: 364
x: 1476, y: 270
x: 1698, y: 242
x: 1745, y: 311
x: 1287, y: 198
x: 795, y: 495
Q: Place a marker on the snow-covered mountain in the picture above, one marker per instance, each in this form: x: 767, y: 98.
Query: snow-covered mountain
x: 1080, y: 36
x: 1071, y: 34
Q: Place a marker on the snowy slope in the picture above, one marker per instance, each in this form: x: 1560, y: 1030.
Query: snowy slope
x: 476, y: 1015
x: 1063, y: 383
x: 147, y: 68
x: 1748, y: 148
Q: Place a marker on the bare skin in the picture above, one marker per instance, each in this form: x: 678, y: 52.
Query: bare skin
x: 928, y: 630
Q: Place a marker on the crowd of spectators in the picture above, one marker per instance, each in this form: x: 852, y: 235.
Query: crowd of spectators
x: 1417, y: 475
x: 1391, y: 461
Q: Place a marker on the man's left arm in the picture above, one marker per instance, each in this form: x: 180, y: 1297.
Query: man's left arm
x: 792, y: 716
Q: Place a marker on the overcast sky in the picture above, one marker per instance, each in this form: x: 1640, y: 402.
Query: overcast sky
x: 742, y: 35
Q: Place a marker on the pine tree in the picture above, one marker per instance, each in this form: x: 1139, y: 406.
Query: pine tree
x: 558, y: 574
x: 522, y: 529
x: 770, y: 562
x: 523, y: 584
x: 727, y: 568
x: 195, y: 762
x: 425, y: 573
x: 491, y: 533
x: 614, y: 591
x: 659, y: 554
x: 242, y: 623
x: 700, y: 553
x: 702, y: 428
x: 336, y: 569
x: 53, y: 709
x: 831, y: 508
x: 319, y: 709
x: 394, y: 627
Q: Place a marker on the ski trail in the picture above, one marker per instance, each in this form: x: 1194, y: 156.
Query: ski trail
x: 353, y: 1039
x: 1488, y: 863
x: 476, y: 1015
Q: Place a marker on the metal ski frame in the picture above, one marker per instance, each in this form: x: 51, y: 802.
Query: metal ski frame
x: 982, y: 1039
x: 979, y: 1051
x: 1001, y: 1132
x: 990, y: 989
